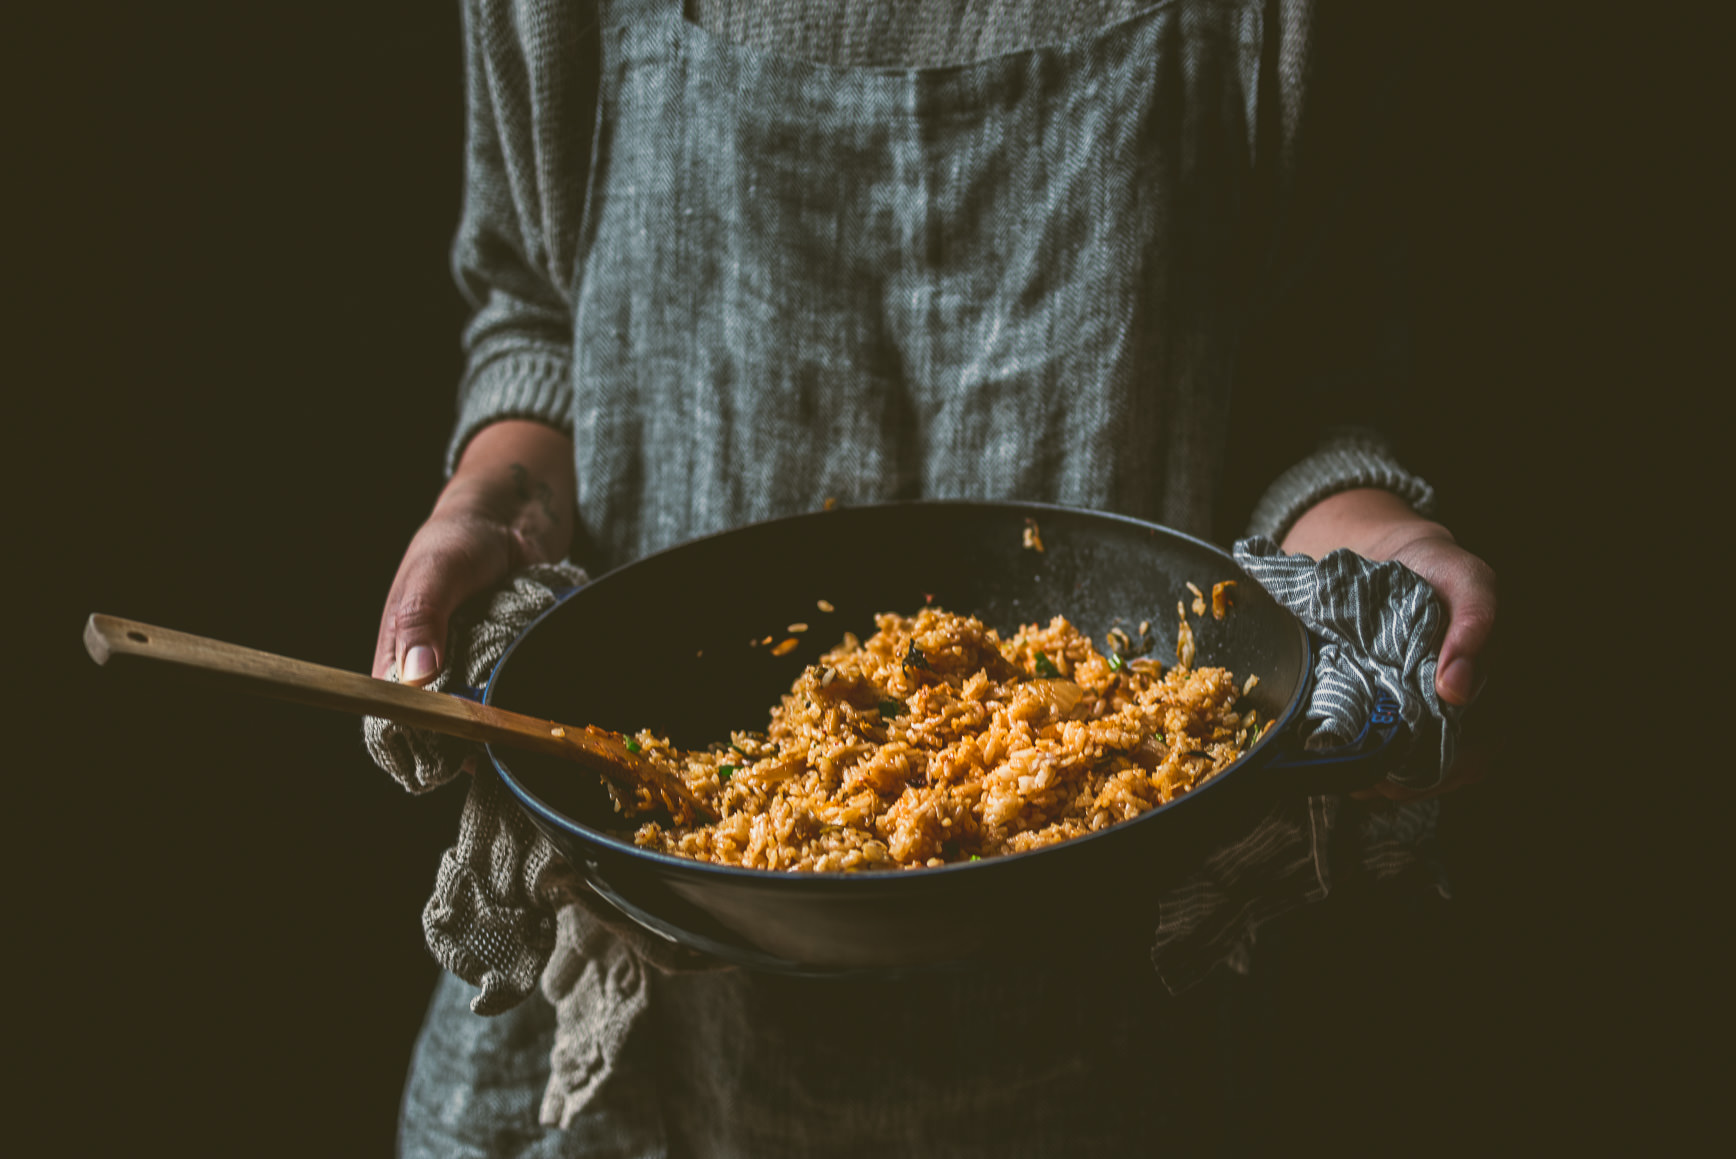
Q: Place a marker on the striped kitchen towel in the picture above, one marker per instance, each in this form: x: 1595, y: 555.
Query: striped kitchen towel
x: 1377, y: 629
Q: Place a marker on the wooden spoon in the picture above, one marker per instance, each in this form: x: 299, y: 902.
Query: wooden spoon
x: 106, y: 637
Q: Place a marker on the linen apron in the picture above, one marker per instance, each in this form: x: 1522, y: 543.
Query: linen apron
x: 1011, y: 278
x: 1017, y: 277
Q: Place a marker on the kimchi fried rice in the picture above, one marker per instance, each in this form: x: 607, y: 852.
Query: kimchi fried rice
x: 936, y: 741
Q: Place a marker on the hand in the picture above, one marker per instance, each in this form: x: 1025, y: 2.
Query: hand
x: 1379, y: 525
x: 509, y: 504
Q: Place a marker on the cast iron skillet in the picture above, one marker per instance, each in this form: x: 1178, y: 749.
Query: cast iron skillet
x: 664, y: 644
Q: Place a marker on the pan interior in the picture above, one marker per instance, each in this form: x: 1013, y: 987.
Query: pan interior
x: 676, y: 642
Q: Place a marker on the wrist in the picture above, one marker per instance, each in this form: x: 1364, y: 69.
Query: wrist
x: 1374, y: 523
x: 517, y: 475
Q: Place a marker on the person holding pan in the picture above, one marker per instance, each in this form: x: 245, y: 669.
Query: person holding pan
x: 730, y: 260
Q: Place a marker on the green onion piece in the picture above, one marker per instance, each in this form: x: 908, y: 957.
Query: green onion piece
x: 974, y: 857
x: 1116, y: 663
x: 632, y: 745
x: 889, y: 708
x: 725, y: 772
x: 1046, y: 667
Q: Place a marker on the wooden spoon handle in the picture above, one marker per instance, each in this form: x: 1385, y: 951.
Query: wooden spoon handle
x: 107, y: 637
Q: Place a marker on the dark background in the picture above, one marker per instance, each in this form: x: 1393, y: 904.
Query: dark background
x: 234, y: 340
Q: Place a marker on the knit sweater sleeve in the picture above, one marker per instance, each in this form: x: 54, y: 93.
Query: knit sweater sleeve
x: 1346, y: 459
x: 531, y: 100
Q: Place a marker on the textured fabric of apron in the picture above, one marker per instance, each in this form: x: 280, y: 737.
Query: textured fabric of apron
x: 1010, y: 278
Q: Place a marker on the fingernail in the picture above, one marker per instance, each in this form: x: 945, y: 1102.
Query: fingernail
x: 418, y: 664
x: 1455, y: 682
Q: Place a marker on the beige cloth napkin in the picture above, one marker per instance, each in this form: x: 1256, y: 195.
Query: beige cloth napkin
x: 507, y: 911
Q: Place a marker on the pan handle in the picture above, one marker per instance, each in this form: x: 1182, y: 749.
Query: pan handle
x: 1381, y: 746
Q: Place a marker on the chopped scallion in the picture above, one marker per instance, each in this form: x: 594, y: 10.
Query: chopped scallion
x: 1046, y: 667
x: 1116, y: 663
x: 632, y: 745
x: 889, y: 708
x: 725, y: 772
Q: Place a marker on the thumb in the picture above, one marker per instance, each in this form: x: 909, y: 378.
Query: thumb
x: 1467, y: 589
x: 431, y: 584
x: 420, y: 618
